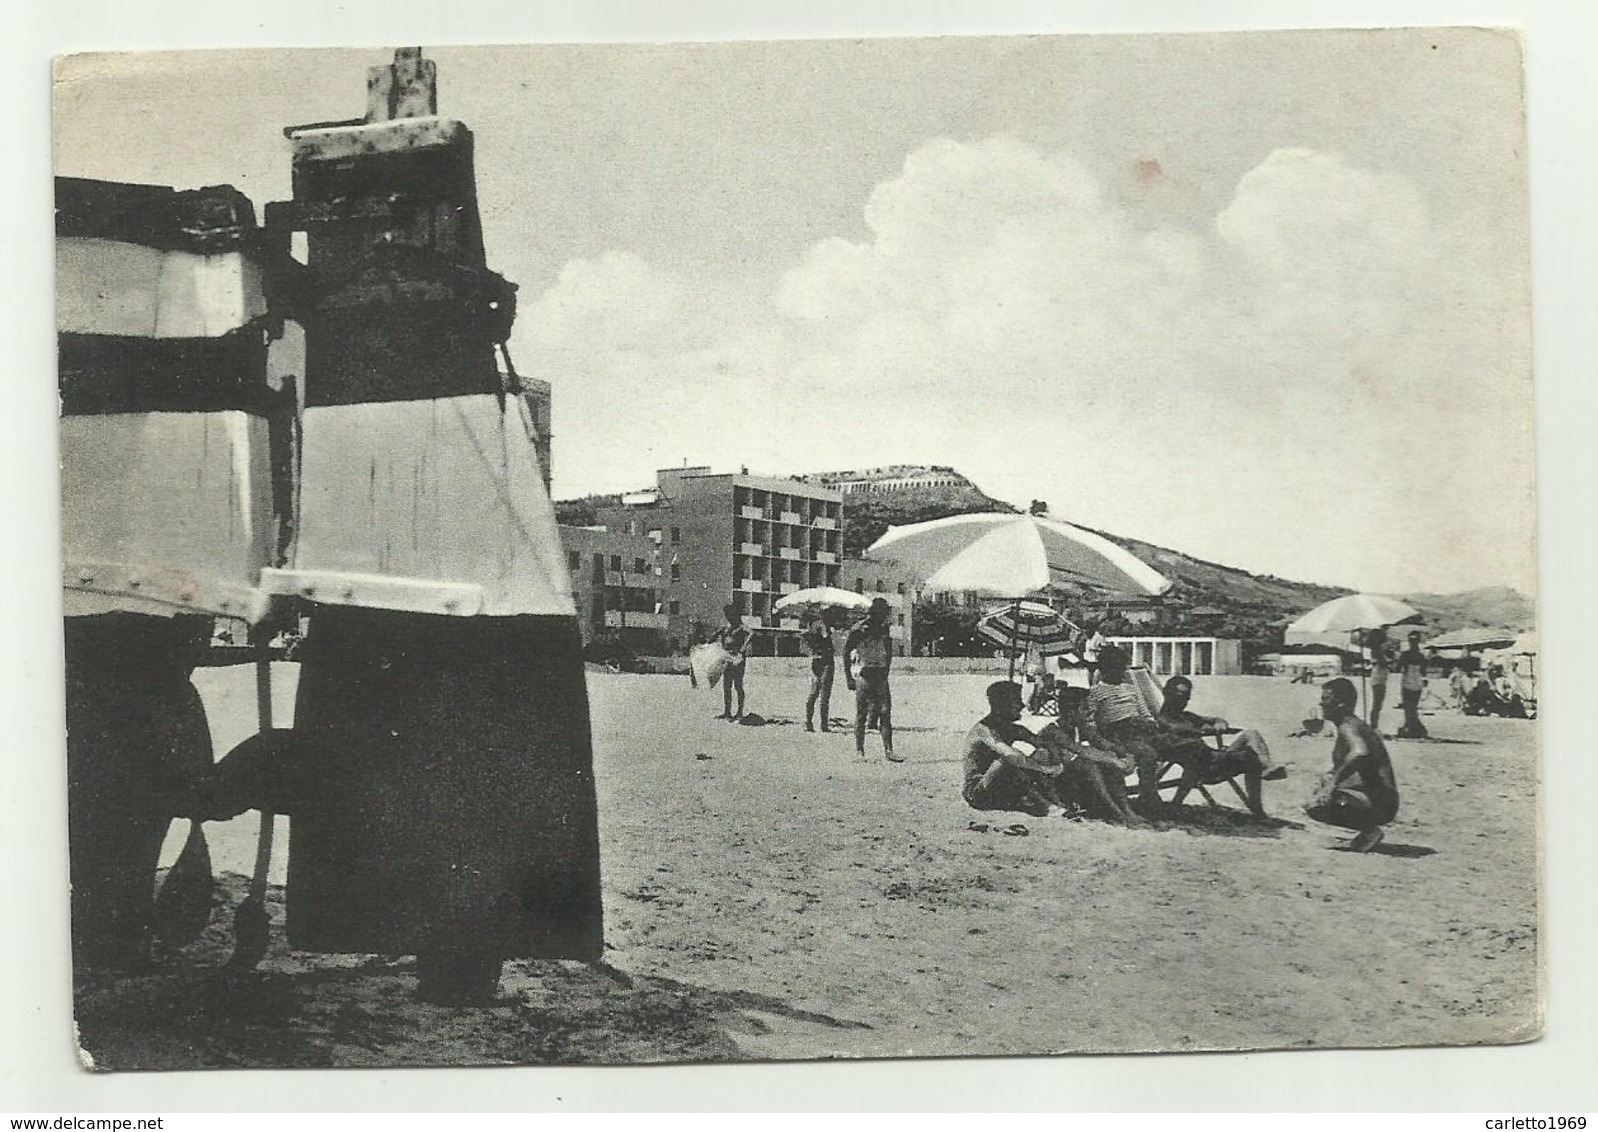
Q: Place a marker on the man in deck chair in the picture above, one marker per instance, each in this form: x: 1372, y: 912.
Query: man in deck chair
x: 1202, y: 765
x: 1115, y: 717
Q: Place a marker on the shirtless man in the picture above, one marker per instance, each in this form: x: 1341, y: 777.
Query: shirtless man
x: 734, y: 637
x: 1359, y: 792
x: 997, y: 775
x: 871, y: 642
x: 1247, y: 754
x: 1411, y: 686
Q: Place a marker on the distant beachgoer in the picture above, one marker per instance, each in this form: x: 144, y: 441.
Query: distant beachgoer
x: 1459, y: 686
x: 1359, y: 792
x: 1091, y: 649
x: 872, y: 642
x: 734, y: 637
x: 1247, y: 754
x: 817, y: 640
x: 1411, y: 686
x: 998, y: 776
x: 1376, y: 641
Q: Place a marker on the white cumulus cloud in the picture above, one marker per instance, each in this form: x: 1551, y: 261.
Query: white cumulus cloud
x: 1003, y: 313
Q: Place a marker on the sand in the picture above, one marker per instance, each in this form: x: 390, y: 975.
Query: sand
x: 770, y: 894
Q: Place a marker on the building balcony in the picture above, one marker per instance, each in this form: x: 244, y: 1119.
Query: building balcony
x: 825, y: 524
x: 827, y: 556
x: 753, y: 549
x: 751, y: 621
x: 751, y: 513
x: 617, y: 619
x: 788, y: 588
x: 751, y: 585
x: 789, y: 552
x: 791, y: 517
x: 791, y: 624
x: 631, y: 581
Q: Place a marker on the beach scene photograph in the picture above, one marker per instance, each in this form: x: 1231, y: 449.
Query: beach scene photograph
x: 776, y: 551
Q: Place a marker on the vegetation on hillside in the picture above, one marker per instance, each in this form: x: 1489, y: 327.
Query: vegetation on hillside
x: 1205, y: 599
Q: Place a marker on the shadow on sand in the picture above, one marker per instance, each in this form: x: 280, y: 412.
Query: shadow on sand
x: 312, y: 1011
x: 1391, y: 849
x: 1218, y: 821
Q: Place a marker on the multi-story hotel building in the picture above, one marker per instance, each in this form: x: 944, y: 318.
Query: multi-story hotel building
x: 738, y: 539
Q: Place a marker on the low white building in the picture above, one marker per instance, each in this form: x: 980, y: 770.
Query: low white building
x: 1184, y: 656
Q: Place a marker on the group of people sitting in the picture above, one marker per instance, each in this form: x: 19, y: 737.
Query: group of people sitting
x: 1086, y: 756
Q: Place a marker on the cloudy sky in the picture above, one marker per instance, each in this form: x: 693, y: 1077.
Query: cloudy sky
x: 1260, y: 298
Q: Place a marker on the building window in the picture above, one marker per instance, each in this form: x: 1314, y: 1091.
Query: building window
x: 676, y: 534
x: 640, y: 566
x: 882, y: 586
x: 859, y: 585
x: 901, y: 588
x: 574, y: 560
x: 676, y: 572
x: 676, y: 608
x: 615, y: 563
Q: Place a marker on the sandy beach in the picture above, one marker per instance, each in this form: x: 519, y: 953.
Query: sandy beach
x: 771, y: 895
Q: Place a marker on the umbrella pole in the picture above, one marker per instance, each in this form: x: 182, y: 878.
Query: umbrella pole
x: 1364, y: 696
x: 1015, y: 630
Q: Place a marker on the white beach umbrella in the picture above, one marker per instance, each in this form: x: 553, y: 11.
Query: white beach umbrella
x: 1354, y: 612
x: 1010, y: 556
x: 1473, y: 639
x: 823, y: 597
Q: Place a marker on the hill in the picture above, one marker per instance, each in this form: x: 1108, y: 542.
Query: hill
x: 1206, y: 598
x: 1493, y: 606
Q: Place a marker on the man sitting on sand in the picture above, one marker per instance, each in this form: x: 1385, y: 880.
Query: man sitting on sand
x: 1000, y: 776
x: 1247, y: 754
x: 997, y: 775
x: 1359, y: 792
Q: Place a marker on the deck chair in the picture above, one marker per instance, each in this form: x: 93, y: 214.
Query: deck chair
x: 1169, y: 774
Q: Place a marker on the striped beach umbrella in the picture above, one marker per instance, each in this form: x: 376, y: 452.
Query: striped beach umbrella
x: 1010, y: 556
x: 1026, y: 624
x: 1021, y: 625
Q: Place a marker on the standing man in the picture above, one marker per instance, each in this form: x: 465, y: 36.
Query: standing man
x: 1091, y: 650
x: 817, y: 640
x: 1359, y: 792
x: 872, y: 642
x: 1411, y: 685
x: 733, y: 637
x: 1381, y: 660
